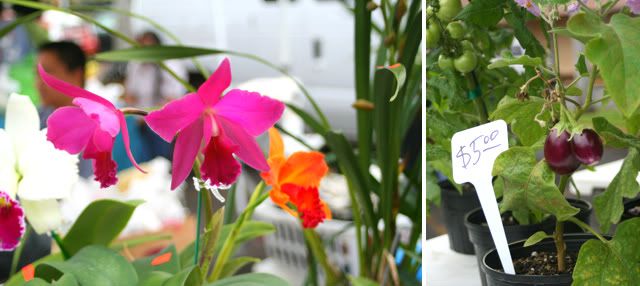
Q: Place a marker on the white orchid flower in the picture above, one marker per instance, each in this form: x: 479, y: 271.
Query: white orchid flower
x: 31, y: 168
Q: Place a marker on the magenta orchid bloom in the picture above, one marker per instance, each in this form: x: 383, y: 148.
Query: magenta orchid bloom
x: 634, y: 5
x: 12, y: 222
x: 89, y: 127
x: 219, y: 126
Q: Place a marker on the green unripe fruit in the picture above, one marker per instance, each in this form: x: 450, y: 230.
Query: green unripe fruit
x: 445, y: 63
x: 433, y: 35
x: 466, y: 62
x: 449, y: 9
x: 456, y: 30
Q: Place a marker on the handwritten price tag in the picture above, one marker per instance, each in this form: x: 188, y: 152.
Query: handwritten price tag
x: 473, y: 152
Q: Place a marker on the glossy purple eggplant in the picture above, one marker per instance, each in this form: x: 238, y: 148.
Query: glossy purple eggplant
x: 558, y: 153
x: 587, y: 147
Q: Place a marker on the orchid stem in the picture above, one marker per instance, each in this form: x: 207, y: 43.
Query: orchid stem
x: 58, y: 241
x: 18, y: 253
x: 198, y: 225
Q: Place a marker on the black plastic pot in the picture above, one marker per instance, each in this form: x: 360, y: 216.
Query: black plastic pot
x: 37, y: 246
x: 455, y: 206
x: 627, y: 206
x: 585, y: 212
x: 492, y: 267
x: 480, y: 235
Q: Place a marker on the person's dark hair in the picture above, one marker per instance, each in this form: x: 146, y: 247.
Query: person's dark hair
x: 153, y: 35
x: 68, y: 52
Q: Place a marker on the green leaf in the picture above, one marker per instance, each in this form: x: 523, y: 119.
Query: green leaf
x: 400, y: 75
x: 573, y: 91
x: 187, y: 277
x: 486, y: 13
x: 308, y: 119
x: 608, y: 205
x: 361, y: 281
x: 527, y: 40
x: 611, y: 263
x: 566, y: 33
x: 155, y: 53
x: 522, y: 60
x: 581, y: 66
x: 535, y: 238
x: 18, y: 279
x: 143, y: 265
x: 252, y: 279
x: 19, y: 21
x: 436, y: 152
x: 209, y: 240
x: 529, y: 186
x: 99, y: 224
x: 614, y: 137
x: 521, y: 116
x: 93, y: 265
x: 615, y: 48
x: 65, y: 280
x: 235, y: 264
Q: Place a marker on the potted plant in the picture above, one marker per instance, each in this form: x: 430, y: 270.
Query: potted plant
x: 546, y: 116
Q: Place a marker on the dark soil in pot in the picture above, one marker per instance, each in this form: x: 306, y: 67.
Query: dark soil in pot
x: 455, y: 206
x: 492, y: 267
x: 585, y: 212
x: 480, y: 235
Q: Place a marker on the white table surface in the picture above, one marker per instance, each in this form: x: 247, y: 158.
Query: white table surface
x: 444, y: 267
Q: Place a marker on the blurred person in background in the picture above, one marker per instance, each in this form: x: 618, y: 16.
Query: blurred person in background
x: 147, y: 86
x: 66, y: 61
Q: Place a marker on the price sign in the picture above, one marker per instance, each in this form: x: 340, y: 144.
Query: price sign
x: 473, y: 152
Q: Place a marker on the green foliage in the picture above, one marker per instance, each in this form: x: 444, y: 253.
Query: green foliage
x: 517, y: 19
x: 252, y: 279
x: 361, y: 281
x: 613, y: 136
x: 521, y: 116
x: 581, y: 66
x: 99, y: 224
x: 92, y: 265
x: 615, y: 262
x: 144, y: 266
x: 609, y: 205
x: 521, y: 60
x: 483, y: 13
x: 617, y: 42
x: 529, y: 186
x: 535, y: 238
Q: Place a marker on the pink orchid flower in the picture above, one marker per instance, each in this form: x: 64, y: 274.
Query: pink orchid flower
x: 218, y: 126
x: 12, y: 222
x: 90, y: 127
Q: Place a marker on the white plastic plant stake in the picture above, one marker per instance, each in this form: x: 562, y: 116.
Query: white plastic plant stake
x: 473, y: 152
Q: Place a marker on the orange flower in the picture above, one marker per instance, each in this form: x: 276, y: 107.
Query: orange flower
x: 295, y: 180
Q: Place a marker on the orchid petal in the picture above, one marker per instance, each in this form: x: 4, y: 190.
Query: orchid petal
x: 22, y: 122
x: 276, y: 147
x: 211, y: 90
x: 125, y: 141
x: 175, y: 116
x: 70, y: 129
x: 106, y: 118
x: 248, y: 149
x: 305, y: 169
x: 104, y: 168
x: 71, y: 90
x: 43, y: 215
x: 185, y: 151
x: 12, y: 222
x: 254, y: 112
x: 219, y: 165
x: 47, y: 173
x: 8, y: 175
